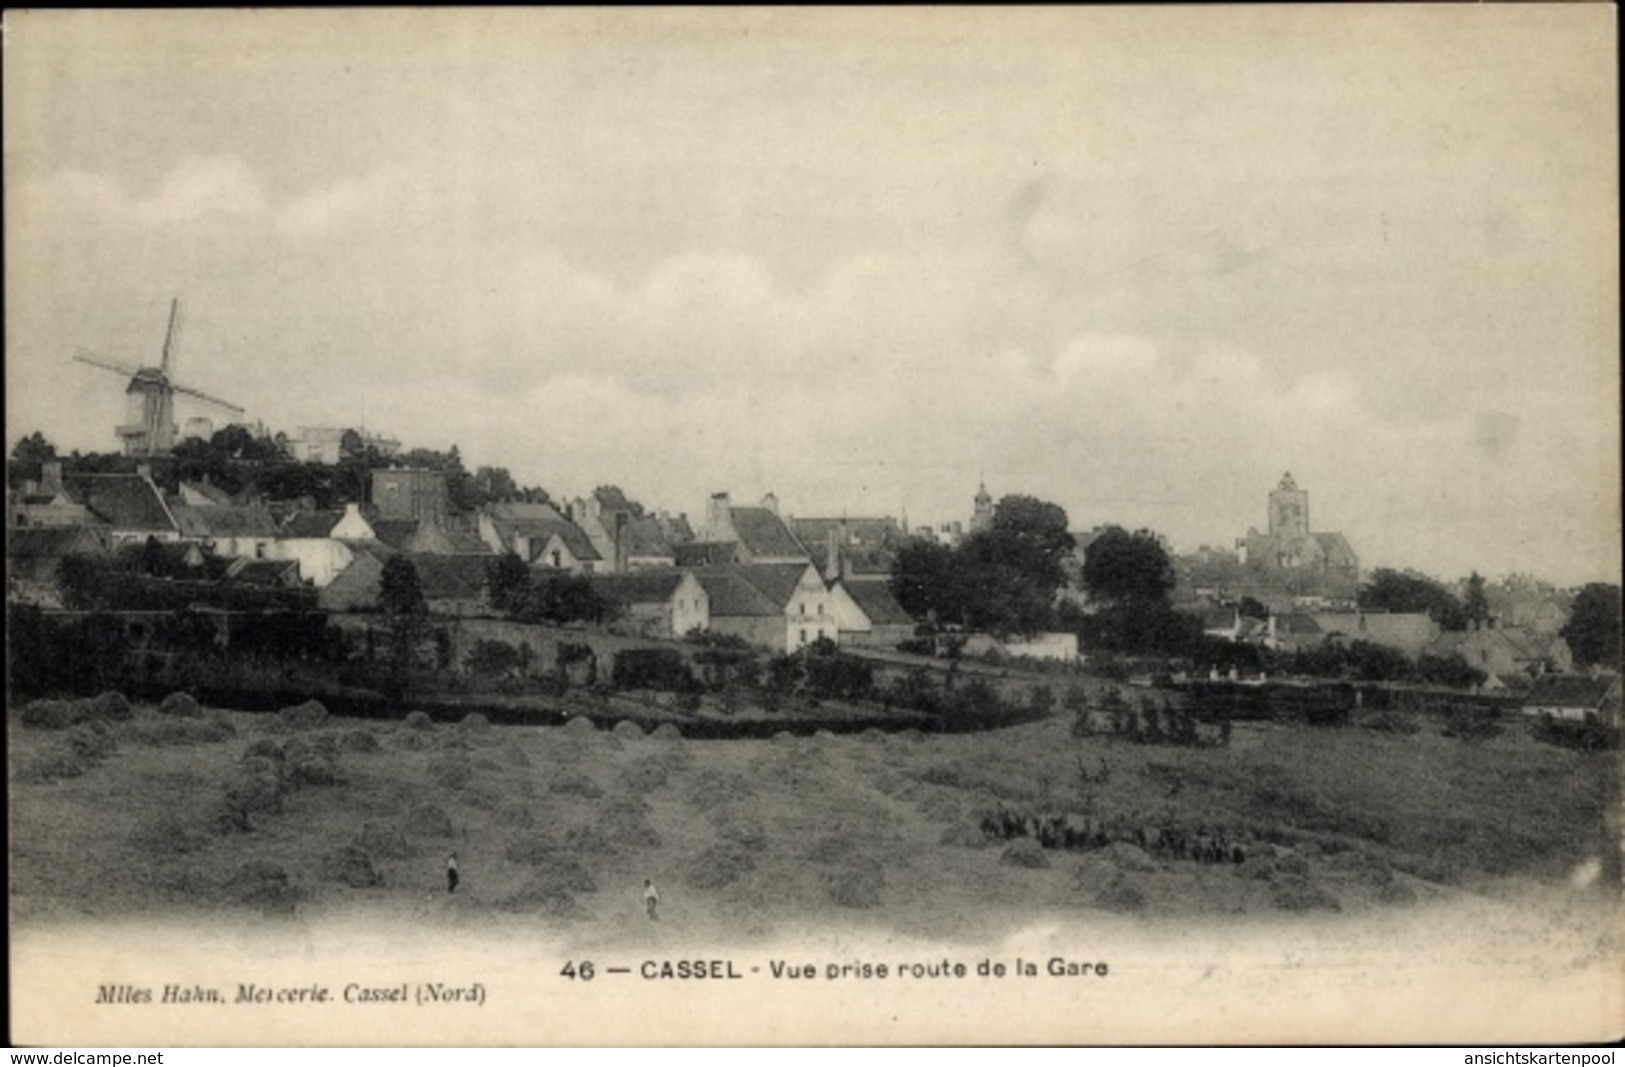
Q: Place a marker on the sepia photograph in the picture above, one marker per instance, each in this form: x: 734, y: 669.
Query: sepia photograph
x: 716, y: 527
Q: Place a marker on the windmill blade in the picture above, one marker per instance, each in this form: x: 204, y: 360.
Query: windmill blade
x: 172, y: 337
x: 188, y: 391
x: 84, y: 356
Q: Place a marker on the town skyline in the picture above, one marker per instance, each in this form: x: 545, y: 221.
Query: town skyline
x: 865, y: 263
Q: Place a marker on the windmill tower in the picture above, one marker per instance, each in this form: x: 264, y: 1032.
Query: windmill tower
x: 149, y: 426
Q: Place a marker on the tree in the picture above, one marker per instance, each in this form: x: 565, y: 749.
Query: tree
x: 507, y: 580
x: 1122, y: 568
x: 927, y: 582
x: 400, y: 591
x: 1253, y: 609
x: 1476, y: 605
x: 1593, y: 629
x: 1397, y: 591
x: 29, y: 457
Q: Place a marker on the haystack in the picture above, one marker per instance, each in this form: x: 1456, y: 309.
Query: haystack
x: 306, y: 716
x: 718, y: 866
x: 1024, y: 852
x: 358, y: 740
x: 575, y: 785
x: 1124, y: 894
x: 645, y: 775
x: 51, y: 764
x: 91, y: 740
x: 667, y: 731
x: 54, y: 714
x: 113, y: 706
x: 181, y: 706
x: 474, y: 722
x: 385, y: 840
x: 629, y: 730
x: 417, y: 720
x: 352, y: 865
x: 266, y: 885
x: 580, y: 726
x: 430, y: 820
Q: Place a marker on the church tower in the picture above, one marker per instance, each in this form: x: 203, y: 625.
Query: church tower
x: 982, y: 517
x: 1289, y: 510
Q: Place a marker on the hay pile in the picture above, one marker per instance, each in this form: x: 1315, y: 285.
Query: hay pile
x: 667, y: 731
x: 712, y: 789
x: 417, y: 720
x: 629, y: 730
x: 181, y: 706
x: 430, y: 820
x: 580, y: 726
x: 352, y: 865
x: 113, y: 706
x: 263, y: 884
x: 475, y: 723
x: 718, y: 866
x: 575, y: 785
x: 1024, y: 852
x: 964, y: 835
x: 645, y: 775
x: 385, y: 840
x: 518, y: 815
x: 741, y: 826
x: 453, y: 772
x: 1124, y: 895
x: 625, y: 824
x: 54, y: 714
x: 359, y: 740
x: 170, y: 834
x: 306, y: 716
x: 852, y: 877
x: 52, y: 764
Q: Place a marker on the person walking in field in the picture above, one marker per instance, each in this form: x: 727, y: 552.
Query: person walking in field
x: 651, y: 899
x: 451, y: 873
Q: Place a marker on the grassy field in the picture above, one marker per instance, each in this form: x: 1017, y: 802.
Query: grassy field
x: 204, y: 812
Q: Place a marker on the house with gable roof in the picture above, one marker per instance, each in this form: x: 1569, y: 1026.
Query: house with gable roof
x: 758, y: 534
x: 665, y: 603
x: 323, y: 543
x: 866, y: 614
x: 1576, y: 698
x: 130, y: 506
x: 540, y: 535
x: 1503, y: 651
x: 778, y: 606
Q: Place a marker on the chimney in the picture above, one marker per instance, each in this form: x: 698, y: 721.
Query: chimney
x: 771, y: 503
x: 623, y: 549
x: 832, y: 555
x: 144, y: 469
x: 718, y: 518
x: 50, y: 477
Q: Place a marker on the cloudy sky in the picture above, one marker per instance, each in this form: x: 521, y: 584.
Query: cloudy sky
x: 1136, y: 262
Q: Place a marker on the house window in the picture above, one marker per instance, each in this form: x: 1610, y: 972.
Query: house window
x: 556, y: 557
x: 804, y: 635
x: 804, y: 607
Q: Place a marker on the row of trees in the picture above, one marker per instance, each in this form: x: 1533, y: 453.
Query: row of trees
x: 235, y: 460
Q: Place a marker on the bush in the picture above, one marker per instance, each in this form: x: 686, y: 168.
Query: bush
x: 358, y: 741
x: 652, y: 668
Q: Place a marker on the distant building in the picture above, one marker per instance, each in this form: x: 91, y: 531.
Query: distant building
x: 1290, y: 554
x: 410, y: 493
x: 982, y: 513
x: 758, y: 535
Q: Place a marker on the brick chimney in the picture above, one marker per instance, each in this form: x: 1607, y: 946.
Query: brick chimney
x: 771, y: 503
x: 623, y: 547
x: 832, y: 555
x: 718, y: 517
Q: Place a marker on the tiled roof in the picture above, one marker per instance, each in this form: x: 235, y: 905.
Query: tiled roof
x: 814, y: 533
x: 451, y: 577
x: 638, y: 587
x: 877, y: 602
x: 1295, y: 623
x: 573, y: 536
x: 214, y: 521
x: 49, y: 542
x: 1570, y: 690
x: 395, y: 532
x: 519, y: 510
x: 123, y: 501
x: 776, y: 581
x: 312, y: 524
x: 272, y: 572
x: 645, y: 538
x: 705, y: 553
x: 764, y: 534
x: 730, y: 595
x: 209, y: 492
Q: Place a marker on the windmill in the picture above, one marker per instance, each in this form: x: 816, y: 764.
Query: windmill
x: 149, y: 429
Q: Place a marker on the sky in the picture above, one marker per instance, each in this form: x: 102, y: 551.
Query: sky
x: 1133, y: 261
